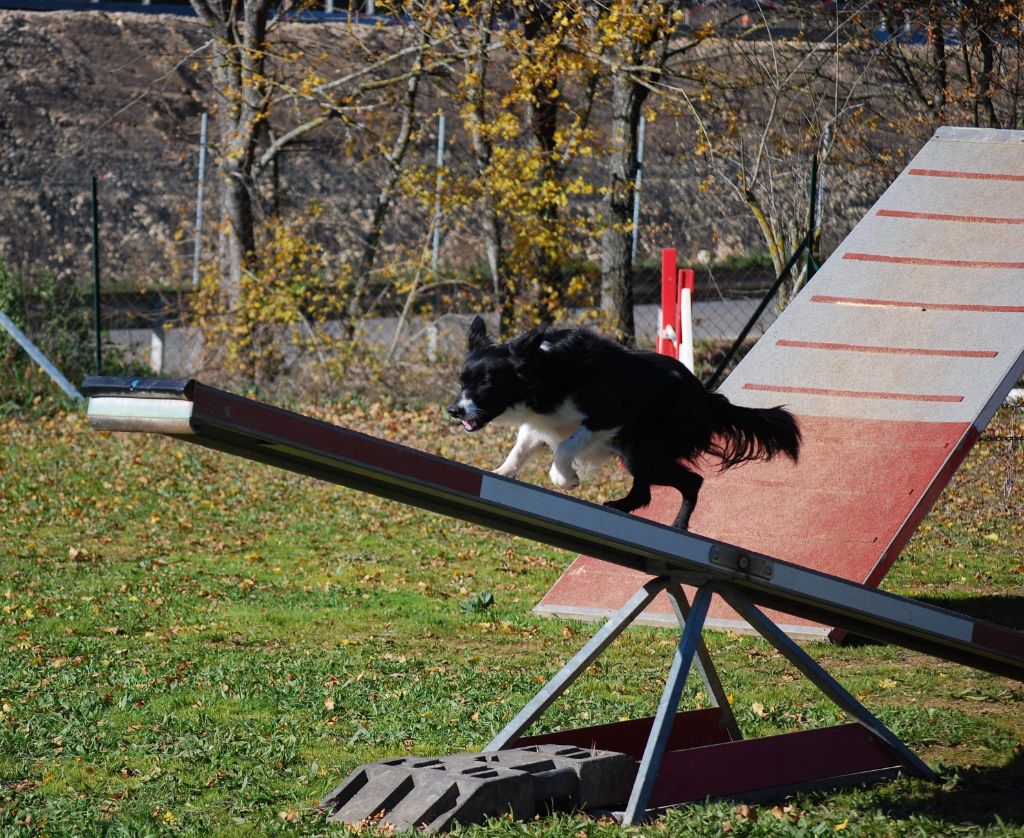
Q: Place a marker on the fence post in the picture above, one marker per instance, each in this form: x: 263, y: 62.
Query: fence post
x: 685, y: 284
x: 156, y: 340
x: 96, y: 276
x: 667, y: 338
x: 812, y: 216
x: 199, y: 201
x: 641, y: 130
x: 435, y: 246
x: 435, y: 250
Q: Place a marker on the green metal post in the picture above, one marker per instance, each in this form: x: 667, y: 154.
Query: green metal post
x: 812, y: 215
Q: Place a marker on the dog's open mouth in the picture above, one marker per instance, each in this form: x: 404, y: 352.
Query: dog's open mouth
x: 470, y: 424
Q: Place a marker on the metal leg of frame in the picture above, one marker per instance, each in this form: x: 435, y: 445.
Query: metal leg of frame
x: 579, y: 662
x: 705, y: 666
x: 681, y: 663
x: 825, y: 682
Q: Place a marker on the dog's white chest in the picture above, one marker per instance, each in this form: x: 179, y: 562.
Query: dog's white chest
x: 551, y: 428
x: 563, y: 432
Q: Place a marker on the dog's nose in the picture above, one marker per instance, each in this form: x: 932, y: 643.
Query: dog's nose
x: 456, y: 411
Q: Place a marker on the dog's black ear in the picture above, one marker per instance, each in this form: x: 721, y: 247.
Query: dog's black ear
x: 478, y: 337
x: 529, y: 343
x: 526, y: 349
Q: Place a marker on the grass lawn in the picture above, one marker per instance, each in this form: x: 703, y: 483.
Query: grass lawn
x: 197, y: 644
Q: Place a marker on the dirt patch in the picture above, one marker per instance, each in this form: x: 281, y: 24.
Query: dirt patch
x: 91, y: 93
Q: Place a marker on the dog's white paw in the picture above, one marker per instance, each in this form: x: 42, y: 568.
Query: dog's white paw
x: 506, y: 471
x: 564, y: 479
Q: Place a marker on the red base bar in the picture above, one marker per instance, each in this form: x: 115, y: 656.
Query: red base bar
x: 701, y: 762
x: 829, y: 757
x: 691, y: 729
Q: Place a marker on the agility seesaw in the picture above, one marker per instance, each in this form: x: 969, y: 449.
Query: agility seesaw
x: 677, y: 757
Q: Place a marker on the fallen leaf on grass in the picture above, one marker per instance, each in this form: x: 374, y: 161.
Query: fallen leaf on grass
x: 745, y: 812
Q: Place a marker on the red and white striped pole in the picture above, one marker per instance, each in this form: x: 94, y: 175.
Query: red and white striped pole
x: 675, y: 331
x: 668, y: 327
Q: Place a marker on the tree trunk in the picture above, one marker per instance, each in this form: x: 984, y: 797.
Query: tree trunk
x: 239, y: 57
x: 986, y: 78
x: 237, y: 236
x: 617, y: 239
x: 940, y: 69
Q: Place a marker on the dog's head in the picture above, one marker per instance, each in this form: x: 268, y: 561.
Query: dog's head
x: 494, y: 377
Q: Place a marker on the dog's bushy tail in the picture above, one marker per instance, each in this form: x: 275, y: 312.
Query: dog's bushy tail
x: 743, y: 434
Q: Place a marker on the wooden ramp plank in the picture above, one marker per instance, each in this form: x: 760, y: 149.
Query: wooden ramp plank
x: 894, y: 358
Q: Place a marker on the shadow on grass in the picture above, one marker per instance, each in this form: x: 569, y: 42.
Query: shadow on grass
x: 1006, y: 611
x: 975, y: 795
x: 978, y: 794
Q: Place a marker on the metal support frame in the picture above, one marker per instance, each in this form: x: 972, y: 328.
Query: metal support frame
x: 590, y: 652
x: 691, y: 651
x: 822, y: 680
x: 705, y: 666
x: 636, y: 808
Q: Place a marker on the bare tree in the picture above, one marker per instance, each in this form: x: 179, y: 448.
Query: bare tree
x: 394, y: 159
x: 634, y: 62
x: 477, y: 42
x: 276, y: 92
x: 978, y: 81
x: 238, y: 48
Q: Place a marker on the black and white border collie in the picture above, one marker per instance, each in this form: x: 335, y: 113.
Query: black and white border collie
x: 587, y: 398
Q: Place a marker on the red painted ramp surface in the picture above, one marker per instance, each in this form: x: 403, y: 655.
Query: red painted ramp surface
x: 846, y: 509
x: 893, y: 357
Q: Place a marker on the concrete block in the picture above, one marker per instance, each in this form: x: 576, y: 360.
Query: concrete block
x: 432, y: 794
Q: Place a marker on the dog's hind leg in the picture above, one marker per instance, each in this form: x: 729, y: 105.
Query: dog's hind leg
x: 638, y: 496
x: 687, y: 482
x: 675, y: 475
x: 638, y: 462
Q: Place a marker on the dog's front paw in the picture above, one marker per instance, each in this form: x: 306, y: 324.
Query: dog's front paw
x: 564, y: 479
x: 505, y: 471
